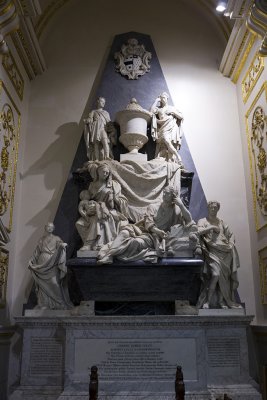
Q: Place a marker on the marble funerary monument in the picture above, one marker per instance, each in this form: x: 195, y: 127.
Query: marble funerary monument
x: 133, y: 226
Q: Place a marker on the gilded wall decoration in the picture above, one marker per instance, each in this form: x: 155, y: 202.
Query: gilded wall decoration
x: 256, y: 126
x: 4, y: 256
x: 9, y: 139
x: 263, y: 274
x: 14, y: 74
x: 254, y: 72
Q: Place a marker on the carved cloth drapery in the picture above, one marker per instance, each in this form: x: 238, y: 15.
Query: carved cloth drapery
x: 142, y: 184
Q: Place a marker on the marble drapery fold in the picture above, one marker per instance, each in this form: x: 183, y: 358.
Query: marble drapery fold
x: 143, y: 184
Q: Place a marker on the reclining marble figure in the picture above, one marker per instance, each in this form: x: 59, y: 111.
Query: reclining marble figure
x: 150, y: 237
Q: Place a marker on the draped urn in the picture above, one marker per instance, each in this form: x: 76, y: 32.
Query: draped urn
x: 133, y: 122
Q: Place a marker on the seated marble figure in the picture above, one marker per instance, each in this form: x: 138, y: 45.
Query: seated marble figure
x: 102, y: 209
x: 154, y: 235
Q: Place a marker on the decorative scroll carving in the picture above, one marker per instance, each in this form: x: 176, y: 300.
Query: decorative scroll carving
x: 133, y: 60
x: 255, y: 69
x: 259, y: 146
x: 4, y: 255
x: 256, y: 125
x: 9, y: 137
x: 14, y: 74
x: 263, y: 274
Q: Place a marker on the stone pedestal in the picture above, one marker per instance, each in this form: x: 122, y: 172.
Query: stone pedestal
x: 136, y: 357
x: 168, y: 280
x: 6, y: 333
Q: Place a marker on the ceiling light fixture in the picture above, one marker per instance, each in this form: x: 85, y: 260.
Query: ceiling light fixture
x: 221, y: 7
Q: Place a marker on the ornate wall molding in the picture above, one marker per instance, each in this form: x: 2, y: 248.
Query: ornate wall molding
x: 9, y: 21
x: 13, y: 73
x: 262, y: 254
x: 256, y: 125
x: 254, y: 72
x: 9, y: 140
x: 4, y: 257
x: 244, y: 49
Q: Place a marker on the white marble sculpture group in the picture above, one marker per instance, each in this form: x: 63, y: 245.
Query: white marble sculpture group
x: 132, y: 209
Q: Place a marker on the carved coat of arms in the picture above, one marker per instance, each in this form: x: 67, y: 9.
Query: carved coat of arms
x: 133, y: 60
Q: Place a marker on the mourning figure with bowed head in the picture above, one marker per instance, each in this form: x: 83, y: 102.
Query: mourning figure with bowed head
x: 221, y: 261
x: 48, y: 268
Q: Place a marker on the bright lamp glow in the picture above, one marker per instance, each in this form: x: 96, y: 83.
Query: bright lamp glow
x: 221, y: 7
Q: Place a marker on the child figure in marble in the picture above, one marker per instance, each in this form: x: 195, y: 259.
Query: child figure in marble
x: 102, y: 208
x: 99, y: 133
x: 166, y: 129
x: 221, y: 261
x: 48, y: 268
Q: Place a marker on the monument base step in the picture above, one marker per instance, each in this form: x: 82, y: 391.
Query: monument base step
x: 235, y: 392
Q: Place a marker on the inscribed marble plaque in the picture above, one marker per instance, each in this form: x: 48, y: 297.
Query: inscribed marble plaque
x: 136, y: 359
x: 46, y: 356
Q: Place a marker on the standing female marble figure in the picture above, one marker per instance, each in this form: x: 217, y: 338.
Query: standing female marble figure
x: 102, y: 209
x: 48, y: 268
x: 166, y: 128
x: 221, y: 261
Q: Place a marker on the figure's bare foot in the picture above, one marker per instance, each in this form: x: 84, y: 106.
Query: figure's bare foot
x: 223, y: 306
x: 198, y: 251
x: 170, y: 252
x: 105, y: 260
x: 86, y: 248
x: 206, y: 305
x: 236, y: 306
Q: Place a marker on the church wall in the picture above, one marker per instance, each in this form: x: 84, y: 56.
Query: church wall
x: 15, y: 87
x: 247, y: 102
x: 75, y: 46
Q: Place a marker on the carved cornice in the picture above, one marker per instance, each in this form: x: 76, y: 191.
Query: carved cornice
x: 15, y: 20
x: 240, y: 42
x: 257, y: 22
x: 242, y: 37
x: 135, y: 323
x: 9, y: 21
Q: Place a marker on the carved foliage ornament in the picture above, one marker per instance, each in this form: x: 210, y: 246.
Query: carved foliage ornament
x: 9, y: 136
x: 133, y: 60
x: 262, y: 254
x: 259, y: 148
x: 255, y: 69
x: 3, y: 275
x: 14, y: 74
